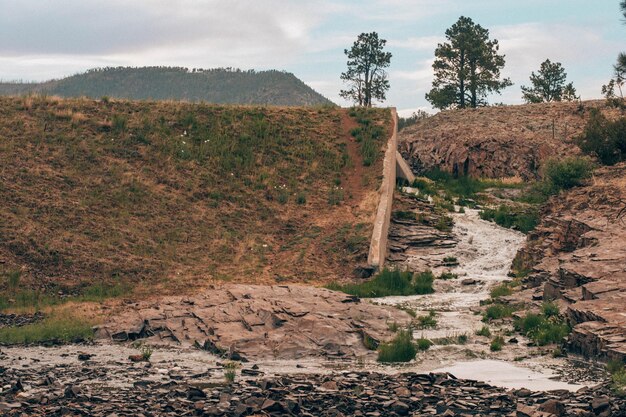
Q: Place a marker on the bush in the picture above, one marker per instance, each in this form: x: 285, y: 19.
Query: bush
x: 501, y: 291
x: 541, y: 329
x: 423, y: 344
x: 427, y: 321
x: 448, y: 275
x: 390, y: 282
x: 565, y: 174
x: 550, y: 309
x: 400, y: 349
x: 496, y: 344
x: 497, y: 311
x: 505, y: 216
x: 604, y: 139
x: 484, y: 331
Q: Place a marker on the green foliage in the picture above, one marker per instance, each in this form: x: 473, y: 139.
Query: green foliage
x: 484, y: 331
x: 444, y: 223
x: 369, y: 135
x: 565, y: 174
x: 389, y: 282
x: 467, y: 67
x: 13, y: 278
x: 61, y: 329
x: 524, y: 220
x: 448, y: 275
x: 542, y: 329
x: 549, y: 85
x: 230, y: 371
x: 146, y: 352
x: 604, y: 139
x: 618, y: 373
x: 501, y: 291
x: 497, y: 311
x: 425, y: 186
x: 423, y: 344
x: 550, y: 309
x: 400, y: 349
x: 301, y: 199
x: 428, y: 321
x: 366, y: 76
x: 496, y: 344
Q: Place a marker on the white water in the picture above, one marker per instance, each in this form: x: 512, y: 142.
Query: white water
x: 484, y: 252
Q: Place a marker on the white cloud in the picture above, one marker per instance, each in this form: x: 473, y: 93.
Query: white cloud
x: 424, y: 43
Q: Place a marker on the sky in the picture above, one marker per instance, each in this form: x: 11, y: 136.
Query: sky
x: 45, y: 39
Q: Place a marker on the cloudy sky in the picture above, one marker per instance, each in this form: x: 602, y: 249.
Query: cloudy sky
x: 43, y: 39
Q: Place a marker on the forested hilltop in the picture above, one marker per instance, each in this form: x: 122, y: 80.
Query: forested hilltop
x: 219, y: 86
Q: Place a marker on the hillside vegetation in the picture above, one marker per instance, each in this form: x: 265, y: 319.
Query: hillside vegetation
x: 170, y: 196
x: 218, y: 86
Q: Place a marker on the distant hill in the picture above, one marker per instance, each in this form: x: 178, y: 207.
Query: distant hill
x: 219, y: 86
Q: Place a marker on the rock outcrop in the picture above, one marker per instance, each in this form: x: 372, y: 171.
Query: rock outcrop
x: 251, y: 321
x: 578, y: 255
x: 495, y: 142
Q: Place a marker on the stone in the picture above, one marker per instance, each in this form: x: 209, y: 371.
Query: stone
x: 553, y: 407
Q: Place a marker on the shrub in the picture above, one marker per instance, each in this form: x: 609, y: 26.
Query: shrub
x: 423, y: 344
x: 400, y: 349
x: 423, y: 283
x: 427, y: 321
x: 425, y: 186
x: 565, y: 174
x: 500, y: 291
x: 497, y: 311
x: 496, y: 344
x: 301, y: 198
x: 390, y: 282
x: 618, y: 376
x: 523, y: 220
x: 448, y: 275
x: 230, y: 371
x: 550, y: 309
x: 484, y: 331
x: 146, y: 352
x: 541, y: 329
x: 604, y: 139
x: 118, y: 124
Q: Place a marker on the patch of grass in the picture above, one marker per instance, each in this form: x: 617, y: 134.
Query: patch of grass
x: 400, y: 349
x: 444, y: 223
x: 393, y: 327
x: 426, y: 186
x: 427, y: 321
x: 497, y: 311
x: 484, y: 331
x: 369, y: 135
x: 55, y: 328
x: 565, y: 174
x: 448, y: 275
x: 389, y: 282
x: 524, y: 220
x: 423, y: 344
x: 501, y: 291
x: 13, y: 278
x: 451, y: 340
x: 496, y: 344
x: 543, y: 329
x: 230, y: 371
x: 146, y: 352
x: 550, y: 309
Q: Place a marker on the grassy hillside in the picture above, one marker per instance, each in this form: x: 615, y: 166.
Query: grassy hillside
x: 168, y: 196
x: 218, y: 86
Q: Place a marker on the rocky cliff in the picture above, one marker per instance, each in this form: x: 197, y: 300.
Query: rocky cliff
x: 578, y: 256
x: 496, y: 142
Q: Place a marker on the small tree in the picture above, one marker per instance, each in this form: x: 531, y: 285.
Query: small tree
x: 366, y: 75
x: 619, y: 75
x: 467, y: 67
x: 548, y: 84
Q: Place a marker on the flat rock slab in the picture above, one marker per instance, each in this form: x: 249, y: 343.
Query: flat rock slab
x: 252, y: 321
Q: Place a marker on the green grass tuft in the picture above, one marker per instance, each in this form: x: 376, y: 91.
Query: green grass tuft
x: 389, y: 282
x: 58, y: 329
x: 400, y: 349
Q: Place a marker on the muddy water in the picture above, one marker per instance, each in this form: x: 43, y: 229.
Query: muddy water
x: 484, y: 253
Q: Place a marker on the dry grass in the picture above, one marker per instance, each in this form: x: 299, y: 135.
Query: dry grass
x: 168, y: 196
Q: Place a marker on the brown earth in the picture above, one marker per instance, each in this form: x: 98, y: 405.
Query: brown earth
x: 261, y: 322
x: 170, y: 196
x: 578, y: 255
x: 497, y: 142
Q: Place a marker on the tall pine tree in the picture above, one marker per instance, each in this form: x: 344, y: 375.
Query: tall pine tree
x: 467, y: 67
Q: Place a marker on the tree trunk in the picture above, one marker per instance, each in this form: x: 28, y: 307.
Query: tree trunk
x: 462, y: 80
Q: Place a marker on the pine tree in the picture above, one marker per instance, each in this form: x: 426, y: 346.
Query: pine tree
x: 366, y: 73
x: 467, y: 67
x: 548, y: 84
